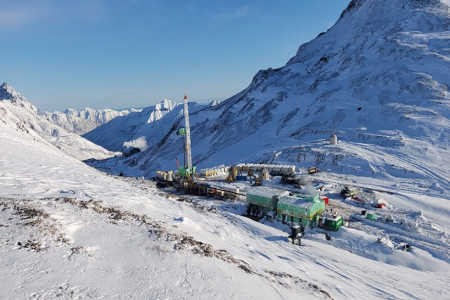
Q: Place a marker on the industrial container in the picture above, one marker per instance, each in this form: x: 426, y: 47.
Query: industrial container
x: 372, y: 217
x: 331, y: 223
x: 262, y: 201
x: 300, y: 208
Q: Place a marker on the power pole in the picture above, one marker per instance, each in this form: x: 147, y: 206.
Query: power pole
x: 187, y: 138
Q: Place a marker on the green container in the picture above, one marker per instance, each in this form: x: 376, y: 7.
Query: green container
x: 184, y: 172
x: 181, y: 131
x: 265, y: 199
x: 333, y: 223
x: 372, y: 217
x: 262, y: 201
x: 302, y: 209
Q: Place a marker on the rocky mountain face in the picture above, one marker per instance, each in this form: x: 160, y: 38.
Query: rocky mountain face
x: 18, y: 113
x: 379, y: 79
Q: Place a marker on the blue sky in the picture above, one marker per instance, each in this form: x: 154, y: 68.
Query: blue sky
x: 101, y: 53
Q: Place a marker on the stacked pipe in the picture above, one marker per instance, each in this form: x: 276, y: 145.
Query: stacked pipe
x: 274, y: 170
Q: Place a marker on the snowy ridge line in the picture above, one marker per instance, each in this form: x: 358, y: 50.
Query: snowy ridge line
x: 183, y: 241
x: 80, y: 121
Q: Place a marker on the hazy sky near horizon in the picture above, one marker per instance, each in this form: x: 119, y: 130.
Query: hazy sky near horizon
x: 111, y: 53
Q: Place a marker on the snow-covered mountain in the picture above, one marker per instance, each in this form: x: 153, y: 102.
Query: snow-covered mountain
x: 16, y: 112
x: 379, y: 79
x: 123, y: 130
x: 84, y: 120
x: 81, y: 121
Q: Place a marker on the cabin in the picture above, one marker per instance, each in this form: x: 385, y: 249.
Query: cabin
x: 302, y: 209
x: 263, y: 201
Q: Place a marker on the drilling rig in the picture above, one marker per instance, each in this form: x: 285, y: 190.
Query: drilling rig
x: 187, y: 171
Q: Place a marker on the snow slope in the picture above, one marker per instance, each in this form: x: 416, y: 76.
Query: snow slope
x: 70, y: 231
x: 84, y: 120
x: 16, y: 112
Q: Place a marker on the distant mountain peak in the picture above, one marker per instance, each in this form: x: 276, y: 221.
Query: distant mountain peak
x: 8, y: 92
x: 354, y: 4
x: 160, y: 109
x: 165, y: 104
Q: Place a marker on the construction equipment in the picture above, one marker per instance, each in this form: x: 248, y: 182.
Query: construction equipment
x: 232, y: 173
x: 313, y: 170
x: 164, y: 176
x: 164, y: 179
x: 273, y: 169
x: 297, y: 180
x: 347, y: 192
x: 254, y: 177
x: 255, y: 180
x: 297, y: 232
x: 289, y: 179
x: 371, y: 216
x: 214, y: 172
x: 187, y: 171
x: 265, y: 175
x: 264, y: 171
x: 181, y: 131
x: 331, y: 222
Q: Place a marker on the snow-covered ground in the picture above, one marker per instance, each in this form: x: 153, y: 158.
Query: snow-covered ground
x: 69, y: 230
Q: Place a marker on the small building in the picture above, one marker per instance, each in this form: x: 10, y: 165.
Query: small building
x: 303, y: 209
x: 262, y: 201
x: 333, y: 139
